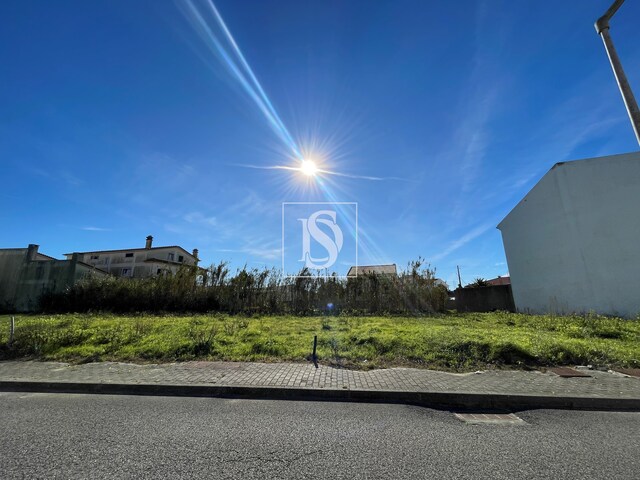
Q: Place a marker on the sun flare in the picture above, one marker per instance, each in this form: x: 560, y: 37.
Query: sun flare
x: 309, y: 168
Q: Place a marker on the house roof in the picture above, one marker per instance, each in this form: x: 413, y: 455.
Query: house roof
x: 500, y: 280
x: 39, y: 256
x: 92, y: 267
x: 22, y: 249
x: 51, y: 259
x: 375, y: 269
x: 133, y: 250
x: 168, y: 262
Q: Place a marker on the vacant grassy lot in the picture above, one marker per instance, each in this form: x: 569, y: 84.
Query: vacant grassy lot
x: 454, y: 342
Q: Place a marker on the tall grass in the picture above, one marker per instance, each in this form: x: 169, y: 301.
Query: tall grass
x: 460, y: 342
x: 254, y: 291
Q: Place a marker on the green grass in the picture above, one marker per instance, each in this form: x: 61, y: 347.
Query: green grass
x: 453, y: 342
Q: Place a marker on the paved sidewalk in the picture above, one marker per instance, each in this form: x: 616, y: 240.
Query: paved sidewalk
x: 306, y: 376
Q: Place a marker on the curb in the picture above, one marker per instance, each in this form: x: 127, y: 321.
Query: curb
x: 439, y: 400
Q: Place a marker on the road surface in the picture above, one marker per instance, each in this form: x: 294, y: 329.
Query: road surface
x: 99, y: 436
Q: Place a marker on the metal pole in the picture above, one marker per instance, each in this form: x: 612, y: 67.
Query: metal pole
x: 602, y: 27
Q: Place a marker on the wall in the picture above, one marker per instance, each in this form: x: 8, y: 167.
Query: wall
x: 484, y: 299
x: 572, y: 244
x: 11, y: 260
x: 25, y: 276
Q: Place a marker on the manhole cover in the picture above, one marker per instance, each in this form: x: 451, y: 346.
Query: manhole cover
x: 567, y: 372
x: 490, y: 418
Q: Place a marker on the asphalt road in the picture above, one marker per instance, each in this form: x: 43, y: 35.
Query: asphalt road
x: 94, y: 436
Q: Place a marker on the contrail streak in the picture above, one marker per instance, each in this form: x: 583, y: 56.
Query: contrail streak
x: 326, y: 172
x: 210, y: 26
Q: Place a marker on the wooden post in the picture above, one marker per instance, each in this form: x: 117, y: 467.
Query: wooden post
x: 315, y: 345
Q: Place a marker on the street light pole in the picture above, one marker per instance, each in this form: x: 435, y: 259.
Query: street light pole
x: 602, y: 27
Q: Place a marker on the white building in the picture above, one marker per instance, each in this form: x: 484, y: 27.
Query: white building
x: 390, y: 270
x: 140, y: 262
x: 573, y: 242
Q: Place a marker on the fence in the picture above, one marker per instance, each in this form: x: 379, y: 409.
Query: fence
x: 485, y: 299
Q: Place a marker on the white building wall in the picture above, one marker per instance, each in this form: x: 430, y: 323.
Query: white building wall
x: 573, y: 243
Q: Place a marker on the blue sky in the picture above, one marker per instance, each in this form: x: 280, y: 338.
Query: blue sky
x: 117, y: 121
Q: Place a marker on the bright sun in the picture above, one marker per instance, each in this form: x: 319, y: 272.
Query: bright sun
x: 309, y: 168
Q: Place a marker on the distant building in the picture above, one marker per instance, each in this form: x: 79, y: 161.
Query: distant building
x: 140, y: 262
x: 373, y: 269
x: 506, y: 280
x: 572, y: 243
x: 26, y: 274
x: 438, y: 282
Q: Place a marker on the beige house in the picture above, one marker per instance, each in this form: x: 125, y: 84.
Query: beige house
x: 373, y: 269
x: 140, y: 262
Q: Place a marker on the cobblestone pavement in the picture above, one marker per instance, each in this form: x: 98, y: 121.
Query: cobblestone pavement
x: 600, y: 384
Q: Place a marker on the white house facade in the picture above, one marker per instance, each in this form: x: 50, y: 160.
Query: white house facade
x: 573, y: 242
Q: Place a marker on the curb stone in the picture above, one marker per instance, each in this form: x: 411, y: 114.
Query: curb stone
x: 439, y: 400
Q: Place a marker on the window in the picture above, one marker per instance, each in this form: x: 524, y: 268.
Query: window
x: 126, y: 272
x: 172, y: 257
x: 181, y: 258
x: 95, y: 257
x: 128, y: 255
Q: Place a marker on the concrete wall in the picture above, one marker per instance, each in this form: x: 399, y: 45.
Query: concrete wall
x: 573, y: 243
x: 25, y: 276
x: 484, y: 299
x: 11, y: 260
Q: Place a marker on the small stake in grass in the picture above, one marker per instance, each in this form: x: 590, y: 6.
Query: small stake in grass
x: 12, y: 328
x: 314, y: 357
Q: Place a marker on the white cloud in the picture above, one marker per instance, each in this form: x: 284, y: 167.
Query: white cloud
x: 266, y: 253
x: 466, y: 238
x: 95, y: 229
x: 197, y: 217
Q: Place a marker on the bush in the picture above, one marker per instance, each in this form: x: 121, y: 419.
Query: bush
x: 252, y: 291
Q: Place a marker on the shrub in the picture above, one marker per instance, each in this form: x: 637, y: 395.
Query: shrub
x: 253, y: 291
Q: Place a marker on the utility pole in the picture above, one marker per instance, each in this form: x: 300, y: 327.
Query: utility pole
x: 459, y: 280
x: 602, y: 27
